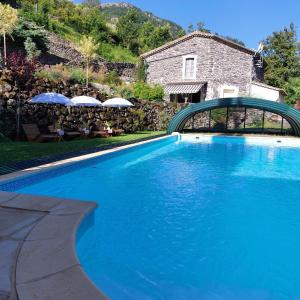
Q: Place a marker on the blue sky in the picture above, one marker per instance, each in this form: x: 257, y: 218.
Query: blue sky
x: 249, y: 21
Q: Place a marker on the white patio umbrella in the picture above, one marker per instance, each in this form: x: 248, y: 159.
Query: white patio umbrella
x: 119, y: 103
x: 51, y: 98
x: 84, y: 101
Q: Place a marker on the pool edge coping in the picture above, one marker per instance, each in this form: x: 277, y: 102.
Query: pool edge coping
x: 56, y: 272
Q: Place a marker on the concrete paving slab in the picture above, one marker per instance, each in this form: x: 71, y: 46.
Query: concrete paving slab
x: 71, y: 284
x: 8, y: 255
x: 31, y: 202
x: 55, y: 227
x: 13, y: 221
x: 6, y: 196
x: 37, y: 249
x: 42, y: 258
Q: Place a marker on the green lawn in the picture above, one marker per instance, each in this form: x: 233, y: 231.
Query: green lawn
x: 20, y: 151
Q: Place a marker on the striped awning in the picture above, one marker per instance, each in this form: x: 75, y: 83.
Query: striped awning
x: 184, y: 88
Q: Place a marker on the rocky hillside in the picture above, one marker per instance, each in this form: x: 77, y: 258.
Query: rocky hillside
x: 113, y: 11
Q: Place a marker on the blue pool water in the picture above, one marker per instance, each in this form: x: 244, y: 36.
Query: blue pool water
x: 187, y: 221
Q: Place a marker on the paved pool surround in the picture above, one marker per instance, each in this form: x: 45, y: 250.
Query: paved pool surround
x: 37, y: 249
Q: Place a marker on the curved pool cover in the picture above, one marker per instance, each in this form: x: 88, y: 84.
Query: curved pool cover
x: 182, y: 220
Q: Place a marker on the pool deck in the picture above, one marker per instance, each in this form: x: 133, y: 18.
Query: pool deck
x: 37, y: 249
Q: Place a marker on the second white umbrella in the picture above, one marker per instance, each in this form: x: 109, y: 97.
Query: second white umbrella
x: 84, y: 101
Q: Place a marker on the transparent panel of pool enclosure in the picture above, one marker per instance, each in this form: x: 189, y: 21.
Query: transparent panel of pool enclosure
x: 238, y: 119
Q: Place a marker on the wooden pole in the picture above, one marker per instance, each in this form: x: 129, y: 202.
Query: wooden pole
x: 4, y: 49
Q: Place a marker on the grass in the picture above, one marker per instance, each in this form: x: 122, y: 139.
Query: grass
x: 20, y: 151
x: 117, y: 53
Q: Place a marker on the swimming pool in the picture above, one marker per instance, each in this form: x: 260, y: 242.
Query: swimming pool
x: 208, y: 219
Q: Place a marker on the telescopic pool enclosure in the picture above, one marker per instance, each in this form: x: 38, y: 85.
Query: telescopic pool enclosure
x: 291, y: 115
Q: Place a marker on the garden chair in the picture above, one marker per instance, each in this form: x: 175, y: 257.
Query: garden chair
x: 33, y: 133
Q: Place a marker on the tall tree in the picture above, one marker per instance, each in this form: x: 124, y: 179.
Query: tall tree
x: 128, y: 27
x: 88, y: 48
x: 191, y: 28
x: 201, y: 27
x: 8, y: 21
x: 151, y: 37
x: 281, y: 54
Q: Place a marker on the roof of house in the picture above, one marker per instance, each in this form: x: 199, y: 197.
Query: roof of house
x: 268, y: 86
x: 199, y: 34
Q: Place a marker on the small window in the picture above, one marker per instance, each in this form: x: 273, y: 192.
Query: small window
x: 227, y: 92
x: 189, y: 67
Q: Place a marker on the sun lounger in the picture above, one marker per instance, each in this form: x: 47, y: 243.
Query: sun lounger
x: 33, y: 133
x: 99, y: 131
x: 118, y: 131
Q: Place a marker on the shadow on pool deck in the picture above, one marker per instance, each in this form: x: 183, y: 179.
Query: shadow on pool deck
x: 37, y: 249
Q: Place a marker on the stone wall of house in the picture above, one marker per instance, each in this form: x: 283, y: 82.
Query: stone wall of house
x: 145, y: 115
x: 217, y: 64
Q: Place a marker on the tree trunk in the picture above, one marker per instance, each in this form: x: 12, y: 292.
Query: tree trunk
x: 37, y: 7
x: 87, y: 73
x: 4, y: 47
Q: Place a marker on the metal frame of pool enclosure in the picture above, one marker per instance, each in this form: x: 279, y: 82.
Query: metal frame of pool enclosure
x: 291, y: 115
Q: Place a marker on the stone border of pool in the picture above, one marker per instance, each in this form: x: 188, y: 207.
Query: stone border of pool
x: 14, y: 167
x: 37, y: 249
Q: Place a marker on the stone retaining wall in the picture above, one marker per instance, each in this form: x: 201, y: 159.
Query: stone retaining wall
x: 63, y: 51
x: 145, y: 115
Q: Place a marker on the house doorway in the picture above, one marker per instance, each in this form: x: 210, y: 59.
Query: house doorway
x: 186, y: 98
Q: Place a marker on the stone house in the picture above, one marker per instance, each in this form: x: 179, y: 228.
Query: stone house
x: 203, y: 66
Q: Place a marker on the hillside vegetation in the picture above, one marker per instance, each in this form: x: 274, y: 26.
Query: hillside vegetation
x: 122, y: 31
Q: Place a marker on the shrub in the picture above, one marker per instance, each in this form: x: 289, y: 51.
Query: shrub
x: 54, y: 73
x: 126, y: 92
x: 31, y: 49
x: 62, y: 73
x: 112, y: 78
x: 78, y: 75
x: 25, y: 30
x: 142, y: 71
x: 145, y: 91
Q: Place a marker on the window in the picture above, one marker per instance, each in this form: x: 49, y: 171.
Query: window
x: 189, y: 67
x: 226, y: 91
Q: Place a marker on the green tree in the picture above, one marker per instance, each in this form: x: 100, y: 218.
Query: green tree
x: 293, y: 90
x: 88, y: 48
x: 151, y: 37
x: 201, y: 27
x: 31, y: 49
x: 94, y: 24
x: 128, y: 27
x: 191, y: 28
x: 145, y: 36
x: 161, y: 35
x: 281, y: 54
x: 8, y: 21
